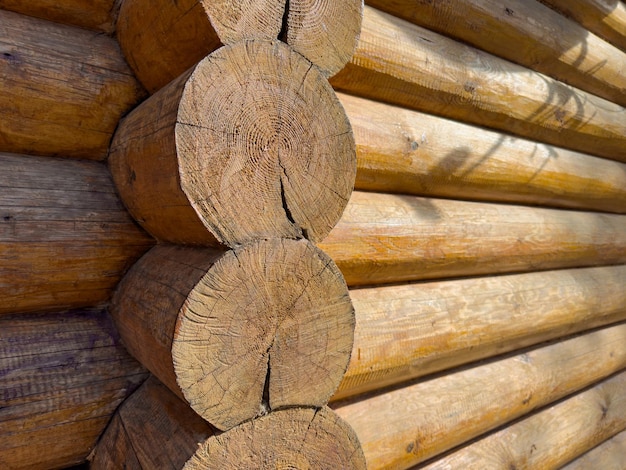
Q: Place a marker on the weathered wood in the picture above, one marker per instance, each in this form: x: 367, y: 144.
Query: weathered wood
x: 293, y: 438
x: 265, y: 326
x: 153, y: 429
x: 162, y: 39
x: 385, y: 238
x: 65, y: 237
x: 237, y: 149
x: 62, y: 375
x: 527, y: 33
x: 606, y: 18
x: 409, y: 425
x: 409, y: 331
x: 63, y: 88
x: 92, y: 14
x: 551, y: 437
x: 404, y: 151
x: 609, y: 455
x: 405, y: 64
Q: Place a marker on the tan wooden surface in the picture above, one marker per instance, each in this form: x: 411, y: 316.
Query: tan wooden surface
x: 527, y: 33
x: 63, y: 88
x: 401, y: 63
x: 92, y: 14
x: 384, y: 238
x: 606, y: 18
x: 408, y: 331
x: 610, y: 455
x: 236, y: 150
x: 62, y: 375
x: 551, y: 437
x: 409, y: 425
x: 404, y: 151
x: 266, y: 326
x: 153, y: 429
x: 296, y: 438
x: 65, y: 237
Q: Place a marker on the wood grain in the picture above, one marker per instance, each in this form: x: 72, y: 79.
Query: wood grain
x: 384, y: 238
x: 608, y: 455
x: 527, y: 33
x: 65, y: 237
x: 409, y: 425
x: 404, y: 151
x: 409, y: 331
x: 63, y: 88
x: 62, y: 375
x: 401, y: 63
x: 551, y: 437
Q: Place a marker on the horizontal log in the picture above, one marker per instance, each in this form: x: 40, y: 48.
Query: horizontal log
x: 608, y: 456
x: 384, y: 238
x: 63, y: 88
x: 551, y: 437
x: 409, y: 331
x: 527, y: 33
x: 99, y: 15
x: 152, y: 429
x: 65, y: 237
x: 606, y: 18
x: 62, y: 375
x: 409, y: 425
x: 404, y: 151
x: 162, y: 39
x: 401, y: 63
x: 258, y: 161
x: 266, y: 326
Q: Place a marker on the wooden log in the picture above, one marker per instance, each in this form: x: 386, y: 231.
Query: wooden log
x: 152, y: 429
x: 384, y: 238
x: 65, y: 237
x: 265, y: 326
x: 409, y: 425
x: 409, y: 331
x: 62, y: 375
x: 608, y: 456
x: 99, y: 15
x: 63, y: 88
x: 403, y: 151
x: 162, y: 39
x: 606, y: 18
x: 551, y: 437
x: 236, y: 150
x: 527, y: 33
x: 293, y: 438
x: 401, y: 63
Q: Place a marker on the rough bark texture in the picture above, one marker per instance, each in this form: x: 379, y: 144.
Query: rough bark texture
x: 404, y: 151
x: 63, y: 88
x: 408, y: 331
x: 527, y: 33
x: 153, y: 429
x: 551, y: 437
x: 608, y: 456
x: 295, y: 438
x: 385, y: 238
x: 262, y: 327
x: 65, y: 238
x: 250, y: 144
x: 100, y: 15
x: 404, y: 64
x: 62, y: 375
x: 409, y: 425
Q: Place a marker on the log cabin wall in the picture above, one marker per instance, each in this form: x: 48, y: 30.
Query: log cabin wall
x: 464, y: 306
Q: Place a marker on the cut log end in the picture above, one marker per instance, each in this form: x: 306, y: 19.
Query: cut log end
x: 325, y: 32
x: 289, y: 439
x: 271, y: 325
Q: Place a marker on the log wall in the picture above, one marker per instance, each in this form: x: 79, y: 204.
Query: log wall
x: 464, y: 299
